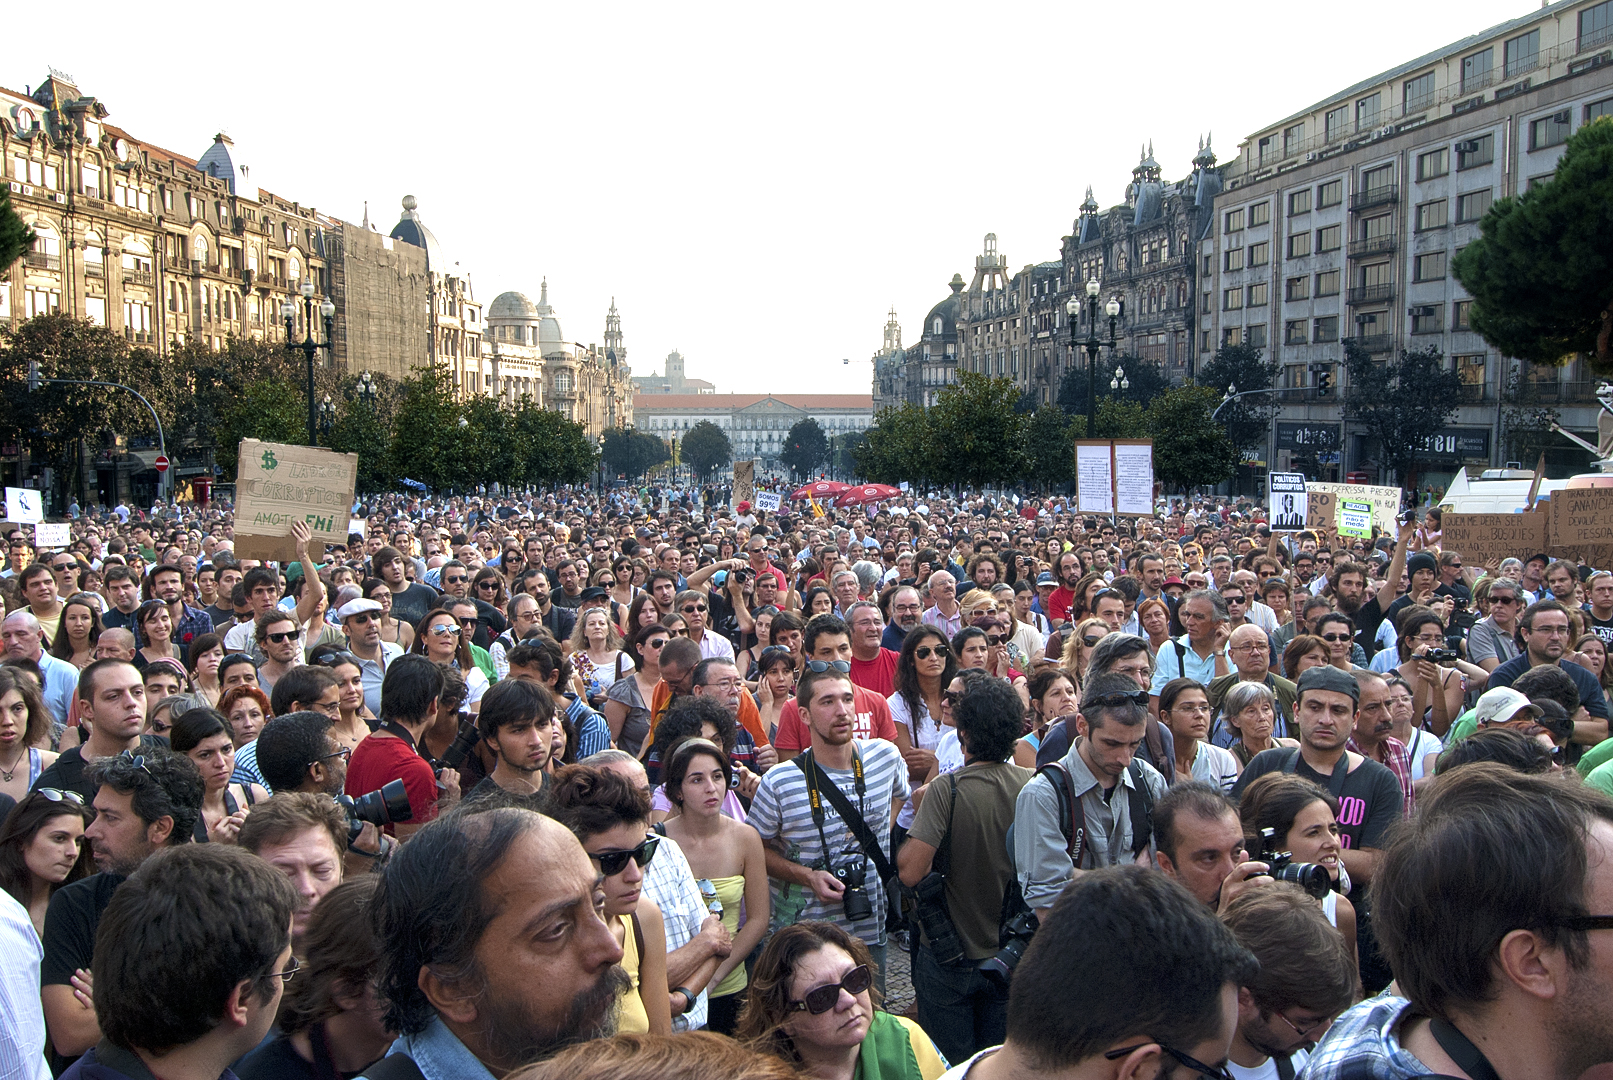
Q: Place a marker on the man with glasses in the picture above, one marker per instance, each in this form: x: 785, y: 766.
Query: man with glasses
x: 568, y: 574
x: 279, y: 639
x: 1250, y: 652
x: 361, y: 622
x: 1545, y: 629
x: 1494, y: 639
x: 300, y: 752
x: 693, y: 605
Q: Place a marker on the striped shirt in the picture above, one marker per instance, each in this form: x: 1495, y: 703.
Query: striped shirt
x: 782, y: 810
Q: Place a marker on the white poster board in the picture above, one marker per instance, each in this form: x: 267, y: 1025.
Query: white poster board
x: 57, y: 535
x: 1094, y: 478
x: 1287, y: 499
x: 1385, y: 502
x: 1134, y: 478
x: 25, y: 506
x: 767, y: 500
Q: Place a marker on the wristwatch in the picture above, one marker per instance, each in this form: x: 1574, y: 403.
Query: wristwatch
x: 689, y: 997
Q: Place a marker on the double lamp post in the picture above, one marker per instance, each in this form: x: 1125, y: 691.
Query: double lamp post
x: 1072, y: 309
x: 309, y: 347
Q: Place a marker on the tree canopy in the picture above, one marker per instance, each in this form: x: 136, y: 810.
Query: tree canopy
x: 1400, y: 404
x: 805, y: 447
x: 15, y: 237
x: 1247, y: 419
x: 704, y: 448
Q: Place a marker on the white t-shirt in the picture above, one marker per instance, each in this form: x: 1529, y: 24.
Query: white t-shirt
x: 1268, y: 1069
x: 927, y: 738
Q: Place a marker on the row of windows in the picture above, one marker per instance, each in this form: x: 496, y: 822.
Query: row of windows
x: 1470, y: 207
x: 1257, y: 215
x: 1327, y: 194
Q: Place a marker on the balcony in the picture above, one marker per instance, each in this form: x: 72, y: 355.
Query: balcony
x: 1371, y: 294
x: 94, y: 269
x: 1373, y: 245
x: 1375, y: 343
x: 137, y: 337
x: 37, y: 261
x: 1378, y: 196
x: 1476, y: 393
x: 1573, y: 392
x: 136, y: 277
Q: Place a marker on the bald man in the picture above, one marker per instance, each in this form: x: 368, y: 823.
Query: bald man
x: 24, y: 639
x: 1249, y: 649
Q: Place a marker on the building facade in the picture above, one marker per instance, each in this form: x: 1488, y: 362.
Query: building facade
x: 1342, y: 221
x: 528, y: 355
x: 673, y: 382
x: 919, y: 372
x: 756, y: 424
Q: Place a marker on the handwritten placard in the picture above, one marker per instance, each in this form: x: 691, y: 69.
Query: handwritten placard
x: 1483, y: 537
x: 276, y: 484
x: 1385, y: 501
x: 1582, y: 526
x: 767, y: 500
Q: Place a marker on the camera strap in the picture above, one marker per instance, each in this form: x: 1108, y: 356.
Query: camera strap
x: 392, y: 727
x: 817, y: 779
x: 1469, y: 1058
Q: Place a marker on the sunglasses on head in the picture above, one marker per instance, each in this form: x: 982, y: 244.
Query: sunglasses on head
x: 612, y: 863
x: 58, y: 795
x: 1116, y: 701
x: 337, y: 660
x: 820, y: 666
x: 820, y: 999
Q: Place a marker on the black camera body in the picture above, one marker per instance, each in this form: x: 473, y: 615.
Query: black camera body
x: 1442, y: 656
x: 854, y: 876
x: 387, y: 805
x: 459, y: 750
x: 1016, y: 933
x: 1312, y: 877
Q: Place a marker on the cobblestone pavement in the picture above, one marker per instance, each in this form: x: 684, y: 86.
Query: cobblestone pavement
x: 898, y: 980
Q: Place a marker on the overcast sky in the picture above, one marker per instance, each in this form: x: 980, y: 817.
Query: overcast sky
x: 755, y: 184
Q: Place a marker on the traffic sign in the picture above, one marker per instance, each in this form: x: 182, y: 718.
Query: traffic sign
x: 161, y: 464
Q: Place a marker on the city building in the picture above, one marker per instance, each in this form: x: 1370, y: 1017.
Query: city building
x: 756, y: 424
x: 1342, y: 220
x: 918, y: 374
x: 528, y: 355
x: 673, y: 382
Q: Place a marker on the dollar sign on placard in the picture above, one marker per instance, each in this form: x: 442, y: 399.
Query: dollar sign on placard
x: 268, y: 460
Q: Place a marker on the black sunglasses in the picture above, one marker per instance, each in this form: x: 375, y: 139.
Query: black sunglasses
x: 1116, y: 701
x: 282, y: 637
x: 612, y: 863
x: 924, y: 652
x: 337, y: 659
x: 820, y: 666
x: 1335, y: 638
x: 820, y: 999
x: 1215, y: 1072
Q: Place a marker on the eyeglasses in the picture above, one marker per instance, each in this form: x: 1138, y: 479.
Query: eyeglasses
x: 58, y: 795
x: 820, y: 666
x: 460, y: 580
x: 1335, y: 638
x: 1116, y: 701
x: 138, y: 761
x: 656, y: 644
x: 820, y: 999
x: 612, y: 863
x: 281, y: 637
x: 293, y: 966
x: 924, y: 652
x: 951, y: 697
x: 1302, y: 1032
x: 344, y: 753
x: 1215, y: 1072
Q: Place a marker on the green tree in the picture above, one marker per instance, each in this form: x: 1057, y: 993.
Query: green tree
x: 364, y: 427
x: 704, y: 448
x: 1541, y: 272
x: 1247, y: 420
x: 427, y: 444
x: 979, y: 438
x: 1116, y: 420
x: 900, y: 446
x: 1189, y: 449
x: 805, y: 447
x: 1145, y: 379
x: 633, y: 453
x: 555, y: 450
x: 1401, y: 405
x: 264, y: 411
x: 15, y: 237
x: 1050, y: 446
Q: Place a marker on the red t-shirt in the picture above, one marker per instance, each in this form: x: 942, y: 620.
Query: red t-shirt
x: 873, y: 721
x: 376, y: 761
x: 1058, y: 605
x: 877, y: 675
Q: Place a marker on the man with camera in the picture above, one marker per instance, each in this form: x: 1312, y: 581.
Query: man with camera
x: 299, y: 752
x: 956, y: 857
x: 1200, y: 843
x: 409, y: 695
x: 826, y: 816
x: 1094, y: 806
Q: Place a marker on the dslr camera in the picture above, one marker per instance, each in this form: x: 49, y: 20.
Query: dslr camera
x: 386, y: 806
x: 1312, y: 877
x: 1442, y: 656
x: 1016, y: 933
x: 458, y: 750
x: 853, y: 874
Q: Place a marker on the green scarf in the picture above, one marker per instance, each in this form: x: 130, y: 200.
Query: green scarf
x: 887, y: 1052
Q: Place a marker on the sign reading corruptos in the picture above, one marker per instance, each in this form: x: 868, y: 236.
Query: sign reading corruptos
x: 277, y: 484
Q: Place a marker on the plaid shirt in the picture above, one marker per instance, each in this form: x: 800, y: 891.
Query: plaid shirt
x: 1397, y: 759
x: 1361, y: 1045
x: 193, y: 623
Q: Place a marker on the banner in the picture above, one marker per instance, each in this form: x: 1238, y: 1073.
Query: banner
x: 1286, y: 497
x: 744, y: 482
x: 277, y: 484
x: 1483, y: 537
x: 52, y: 536
x: 1355, y: 518
x: 1385, y: 503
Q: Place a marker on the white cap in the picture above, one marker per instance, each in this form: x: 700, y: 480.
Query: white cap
x: 1502, y: 704
x: 357, y: 607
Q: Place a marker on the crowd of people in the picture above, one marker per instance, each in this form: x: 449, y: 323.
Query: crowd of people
x: 557, y: 786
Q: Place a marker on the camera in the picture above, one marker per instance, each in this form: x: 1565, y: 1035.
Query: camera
x: 1016, y: 934
x: 1311, y: 877
x: 386, y: 806
x: 459, y: 749
x: 1442, y: 656
x: 854, y: 901
x: 931, y: 911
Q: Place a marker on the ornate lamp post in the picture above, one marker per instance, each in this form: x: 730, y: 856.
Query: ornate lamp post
x: 308, y: 346
x: 1093, y: 346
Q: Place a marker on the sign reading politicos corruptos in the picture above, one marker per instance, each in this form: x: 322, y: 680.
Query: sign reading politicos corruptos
x: 1483, y: 537
x: 277, y: 484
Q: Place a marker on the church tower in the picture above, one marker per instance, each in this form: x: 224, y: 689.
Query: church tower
x: 893, y: 335
x: 615, y: 351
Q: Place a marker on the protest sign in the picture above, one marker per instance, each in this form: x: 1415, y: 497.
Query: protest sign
x: 1481, y: 538
x: 744, y: 481
x: 1287, y: 500
x: 1581, y: 526
x: 277, y: 484
x: 52, y: 536
x: 767, y: 500
x: 1355, y: 518
x: 24, y: 506
x: 1385, y: 502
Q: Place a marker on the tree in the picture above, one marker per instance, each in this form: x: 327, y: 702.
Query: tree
x: 705, y: 447
x: 1541, y: 273
x: 1189, y: 448
x: 633, y: 453
x: 364, y: 427
x: 805, y: 447
x: 1400, y: 405
x: 1116, y: 420
x: 900, y: 446
x: 1247, y: 420
x: 1050, y: 446
x: 1145, y: 379
x: 979, y: 437
x: 427, y: 443
x: 551, y: 449
x: 15, y: 237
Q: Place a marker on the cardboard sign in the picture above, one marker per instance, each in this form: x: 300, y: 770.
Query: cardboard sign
x: 744, y: 481
x: 767, y: 500
x: 1480, y: 538
x: 1355, y: 518
x: 1286, y: 497
x: 277, y: 484
x: 1581, y: 526
x: 52, y: 536
x: 1385, y: 501
x: 25, y: 506
x: 1321, y: 509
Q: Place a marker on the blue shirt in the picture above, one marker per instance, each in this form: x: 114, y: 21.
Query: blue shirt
x: 439, y: 1054
x: 1362, y: 1045
x: 1168, y: 667
x: 1590, y: 691
x: 61, y: 683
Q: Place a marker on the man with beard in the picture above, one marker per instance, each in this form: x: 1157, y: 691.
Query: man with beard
x: 1545, y: 628
x: 494, y: 954
x: 1062, y: 598
x: 516, y: 722
x: 1348, y: 584
x: 906, y: 607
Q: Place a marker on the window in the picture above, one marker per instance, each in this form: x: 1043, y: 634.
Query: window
x: 1232, y: 299
x: 1366, y: 112
x: 1598, y: 109
x: 1259, y: 214
x: 1209, y: 265
x: 1267, y: 148
x: 1429, y: 267
x: 1376, y: 228
x: 1378, y: 179
x: 95, y: 309
x: 1336, y: 124
x: 1257, y: 294
x: 1476, y: 70
x: 1462, y: 315
x: 1234, y: 221
x: 1330, y: 194
x: 1299, y: 202
x: 1327, y: 283
x: 1470, y: 368
x: 1475, y: 152
x: 1419, y: 92
x: 1434, y: 163
x: 1208, y: 305
x: 1433, y: 215
x: 1325, y: 329
x: 1522, y: 53
x: 1550, y: 130
x: 1377, y: 275
x: 1233, y: 260
x: 1232, y: 335
x: 1328, y: 239
x: 39, y: 301
x: 1293, y: 140
x: 1297, y: 288
x: 1425, y: 319
x: 1259, y: 254
x: 1596, y: 25
x: 1299, y: 245
x: 1294, y: 332
x: 1473, y: 205
x: 1255, y: 335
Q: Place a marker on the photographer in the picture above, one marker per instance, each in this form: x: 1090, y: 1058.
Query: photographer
x: 959, y: 836
x: 827, y: 816
x: 409, y: 696
x: 299, y: 752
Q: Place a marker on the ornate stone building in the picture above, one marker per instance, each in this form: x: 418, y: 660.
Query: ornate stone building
x: 919, y: 372
x: 756, y: 424
x: 529, y: 355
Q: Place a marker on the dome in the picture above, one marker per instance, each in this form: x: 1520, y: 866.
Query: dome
x: 513, y: 306
x: 550, y: 338
x: 411, y: 230
x: 947, y: 312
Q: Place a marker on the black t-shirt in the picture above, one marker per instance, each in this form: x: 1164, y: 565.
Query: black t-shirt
x: 1600, y: 627
x: 66, y: 773
x: 411, y: 604
x: 277, y: 1060
x: 223, y: 617
x: 70, y: 925
x: 1367, y: 621
x: 490, y: 623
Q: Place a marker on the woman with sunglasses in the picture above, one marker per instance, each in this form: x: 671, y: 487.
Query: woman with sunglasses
x: 25, y: 733
x: 627, y: 709
x: 77, y: 631
x: 488, y: 588
x: 440, y: 639
x: 813, y: 1004
x: 924, y: 668
x: 156, y: 629
x: 42, y: 848
x: 1339, y: 633
x: 392, y: 630
x: 1078, y: 649
x: 597, y: 659
x: 202, y: 735
x: 611, y: 818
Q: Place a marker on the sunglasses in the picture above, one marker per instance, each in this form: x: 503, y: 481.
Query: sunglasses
x: 612, y: 863
x: 442, y: 630
x: 656, y: 644
x: 281, y: 637
x: 924, y: 652
x: 1335, y: 638
x: 994, y: 639
x: 820, y: 666
x: 1212, y: 1071
x: 138, y: 761
x: 951, y: 697
x: 820, y: 999
x: 689, y: 609
x: 58, y: 795
x: 605, y: 583
x: 1091, y: 640
x: 1116, y: 701
x: 679, y: 633
x: 455, y: 580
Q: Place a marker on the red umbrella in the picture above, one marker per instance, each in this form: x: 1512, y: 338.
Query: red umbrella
x: 867, y: 493
x: 818, y: 489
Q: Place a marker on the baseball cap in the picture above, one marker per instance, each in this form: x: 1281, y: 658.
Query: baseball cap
x: 1328, y: 678
x: 357, y: 607
x: 1501, y: 704
x: 1044, y: 578
x: 593, y: 592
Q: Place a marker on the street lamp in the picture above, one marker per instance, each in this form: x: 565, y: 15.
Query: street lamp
x: 288, y: 312
x: 327, y: 416
x: 366, y: 388
x: 1093, y: 345
x: 600, y: 489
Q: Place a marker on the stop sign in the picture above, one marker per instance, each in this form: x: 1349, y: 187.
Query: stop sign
x: 161, y: 464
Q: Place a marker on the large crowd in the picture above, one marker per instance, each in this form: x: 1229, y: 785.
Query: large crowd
x: 648, y: 785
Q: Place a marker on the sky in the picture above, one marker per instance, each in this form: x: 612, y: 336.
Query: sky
x: 756, y: 185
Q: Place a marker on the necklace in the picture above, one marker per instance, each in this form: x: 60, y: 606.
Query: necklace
x: 7, y: 774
